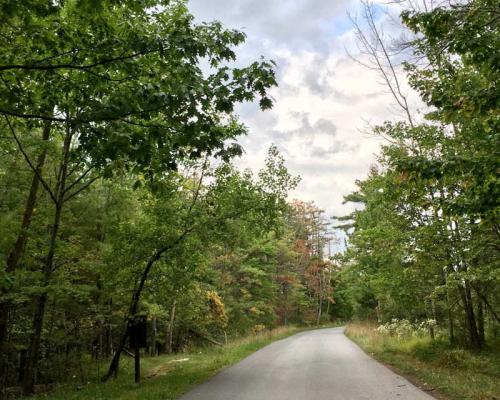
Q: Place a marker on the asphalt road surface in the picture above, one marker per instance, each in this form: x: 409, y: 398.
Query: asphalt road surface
x: 321, y: 364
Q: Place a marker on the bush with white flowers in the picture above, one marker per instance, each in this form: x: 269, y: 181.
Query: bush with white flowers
x: 403, y: 328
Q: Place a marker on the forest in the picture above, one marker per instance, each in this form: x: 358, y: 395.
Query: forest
x: 128, y: 231
x: 424, y: 245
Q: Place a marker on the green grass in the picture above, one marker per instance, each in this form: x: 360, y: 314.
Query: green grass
x: 171, y: 378
x: 456, y: 373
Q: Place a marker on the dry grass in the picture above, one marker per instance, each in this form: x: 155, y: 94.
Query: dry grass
x: 454, y: 372
x: 262, y: 335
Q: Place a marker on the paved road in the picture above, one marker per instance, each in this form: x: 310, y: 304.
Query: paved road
x: 315, y: 365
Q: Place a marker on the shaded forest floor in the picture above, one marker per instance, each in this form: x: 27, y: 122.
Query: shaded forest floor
x: 169, y: 376
x: 439, y: 369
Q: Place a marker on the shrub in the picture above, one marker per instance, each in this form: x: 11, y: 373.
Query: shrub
x: 403, y: 328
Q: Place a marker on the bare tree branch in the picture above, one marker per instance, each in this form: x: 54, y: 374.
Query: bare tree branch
x: 372, y: 44
x: 81, y: 189
x: 82, y: 176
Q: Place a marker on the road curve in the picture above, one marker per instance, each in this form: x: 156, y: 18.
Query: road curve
x: 321, y: 364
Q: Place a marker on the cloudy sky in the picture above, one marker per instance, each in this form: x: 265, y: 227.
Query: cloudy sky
x: 325, y: 100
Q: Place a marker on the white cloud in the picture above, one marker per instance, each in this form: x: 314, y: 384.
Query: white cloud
x: 324, y: 100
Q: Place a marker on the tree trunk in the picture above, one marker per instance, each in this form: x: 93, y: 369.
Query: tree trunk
x: 480, y: 322
x: 285, y: 316
x: 451, y: 328
x: 41, y: 300
x: 494, y: 315
x: 320, y: 301
x: 109, y: 333
x: 22, y: 364
x: 115, y: 362
x: 318, y: 318
x: 113, y: 367
x: 431, y: 332
x: 153, y: 339
x: 109, y: 341
x: 465, y: 294
x: 40, y: 303
x: 328, y: 310
x: 17, y: 250
x: 470, y: 319
x: 137, y: 363
x: 101, y: 339
x: 475, y: 339
x: 170, y: 331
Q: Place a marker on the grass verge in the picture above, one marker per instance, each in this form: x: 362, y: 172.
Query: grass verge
x: 443, y: 371
x: 168, y: 377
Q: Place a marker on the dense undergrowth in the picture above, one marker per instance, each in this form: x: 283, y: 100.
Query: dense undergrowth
x: 456, y: 372
x: 169, y: 376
